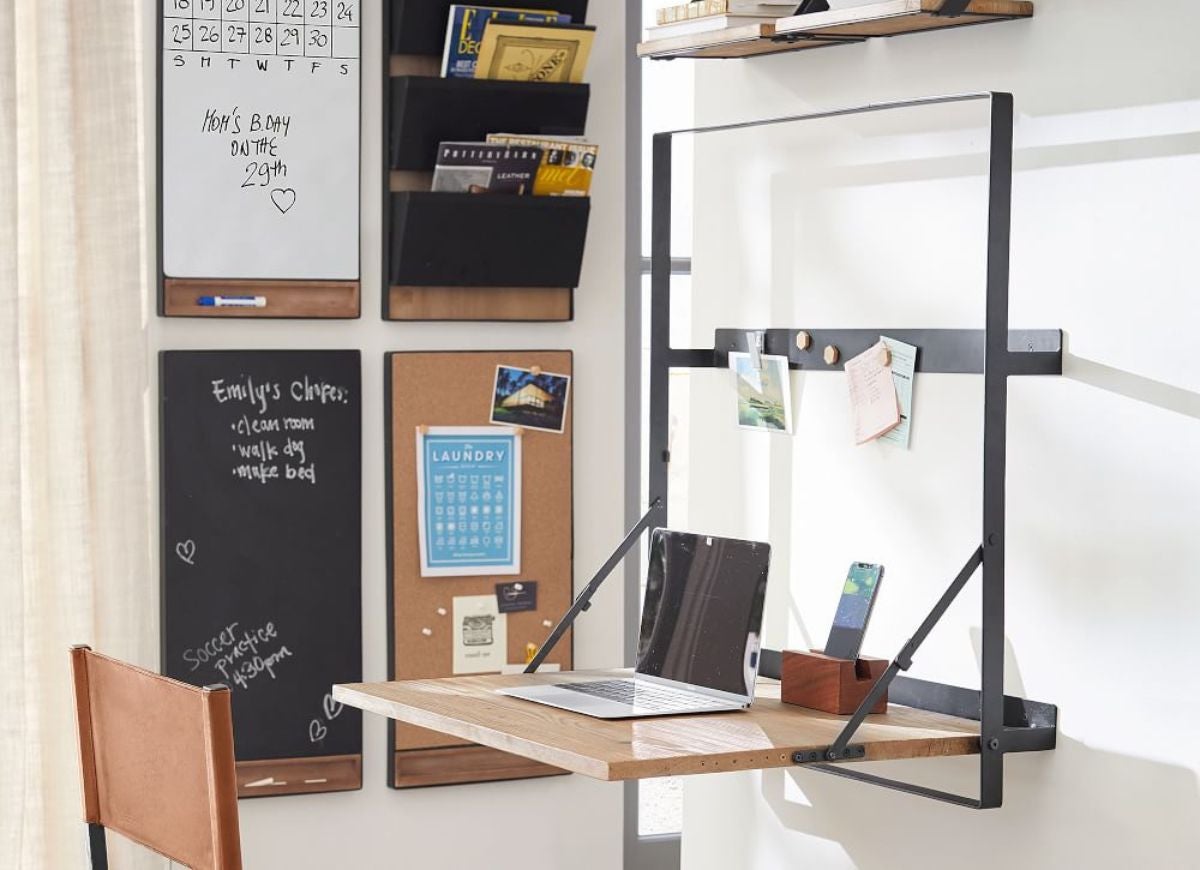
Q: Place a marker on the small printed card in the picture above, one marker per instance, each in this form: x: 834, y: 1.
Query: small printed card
x: 516, y: 597
x: 480, y: 635
x: 904, y: 366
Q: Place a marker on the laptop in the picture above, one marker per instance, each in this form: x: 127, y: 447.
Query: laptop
x: 700, y: 635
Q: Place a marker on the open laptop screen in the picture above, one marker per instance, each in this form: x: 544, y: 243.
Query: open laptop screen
x: 702, y: 617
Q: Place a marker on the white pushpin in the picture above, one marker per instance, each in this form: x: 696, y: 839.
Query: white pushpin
x: 441, y: 611
x: 428, y: 632
x: 547, y: 623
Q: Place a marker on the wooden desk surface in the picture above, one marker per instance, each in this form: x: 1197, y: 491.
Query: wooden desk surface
x: 766, y: 735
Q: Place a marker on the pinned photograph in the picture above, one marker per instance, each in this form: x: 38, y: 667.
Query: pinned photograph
x: 764, y: 394
x: 530, y: 398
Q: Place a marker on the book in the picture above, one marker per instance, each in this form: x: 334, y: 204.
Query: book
x: 534, y: 53
x: 710, y: 24
x: 705, y: 8
x: 567, y: 164
x: 464, y: 32
x: 480, y: 167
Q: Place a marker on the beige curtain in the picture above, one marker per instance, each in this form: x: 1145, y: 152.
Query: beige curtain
x: 75, y: 563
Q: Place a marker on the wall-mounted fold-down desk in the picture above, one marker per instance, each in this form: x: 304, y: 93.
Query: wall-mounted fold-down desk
x: 769, y: 734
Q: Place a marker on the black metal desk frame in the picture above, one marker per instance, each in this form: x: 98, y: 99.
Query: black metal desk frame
x: 1006, y: 724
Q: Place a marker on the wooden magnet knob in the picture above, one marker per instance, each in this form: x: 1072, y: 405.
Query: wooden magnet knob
x: 535, y: 370
x: 885, y: 355
x: 832, y: 355
x: 423, y: 430
x: 803, y: 340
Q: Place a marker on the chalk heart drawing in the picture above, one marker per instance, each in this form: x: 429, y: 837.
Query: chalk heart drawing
x: 316, y: 731
x: 186, y: 551
x: 284, y: 198
x: 332, y: 708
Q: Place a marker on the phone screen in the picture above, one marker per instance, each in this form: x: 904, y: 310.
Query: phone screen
x: 854, y: 610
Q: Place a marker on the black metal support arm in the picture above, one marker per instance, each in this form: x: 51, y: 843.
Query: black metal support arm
x: 903, y: 660
x: 584, y: 601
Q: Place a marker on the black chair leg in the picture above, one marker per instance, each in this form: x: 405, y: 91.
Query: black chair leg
x: 97, y: 847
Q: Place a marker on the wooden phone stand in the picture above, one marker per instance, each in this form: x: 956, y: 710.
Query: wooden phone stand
x: 817, y: 681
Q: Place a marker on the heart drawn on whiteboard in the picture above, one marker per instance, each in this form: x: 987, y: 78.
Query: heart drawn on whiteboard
x: 186, y: 551
x: 316, y: 731
x: 332, y: 708
x: 284, y: 198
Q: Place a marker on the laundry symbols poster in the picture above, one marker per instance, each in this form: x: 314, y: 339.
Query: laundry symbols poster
x: 469, y: 500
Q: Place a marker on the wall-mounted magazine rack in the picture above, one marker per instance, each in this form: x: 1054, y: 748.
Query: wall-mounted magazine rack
x: 459, y: 257
x: 426, y: 111
x: 527, y: 249
x: 419, y: 26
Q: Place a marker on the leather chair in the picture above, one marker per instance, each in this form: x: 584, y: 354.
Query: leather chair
x: 157, y: 760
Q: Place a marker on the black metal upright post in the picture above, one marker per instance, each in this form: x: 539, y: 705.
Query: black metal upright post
x: 97, y: 847
x: 995, y: 431
x: 660, y: 323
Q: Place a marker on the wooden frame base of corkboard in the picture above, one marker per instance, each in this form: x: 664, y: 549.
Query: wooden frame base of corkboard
x: 456, y: 389
x: 328, y: 300
x: 459, y: 765
x: 553, y: 304
x: 280, y: 776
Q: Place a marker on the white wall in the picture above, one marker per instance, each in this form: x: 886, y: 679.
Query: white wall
x: 879, y: 221
x: 531, y: 825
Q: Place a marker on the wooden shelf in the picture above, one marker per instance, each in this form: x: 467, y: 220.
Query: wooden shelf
x: 273, y: 777
x: 511, y: 304
x: 733, y: 42
x: 764, y: 736
x: 839, y: 27
x: 330, y: 300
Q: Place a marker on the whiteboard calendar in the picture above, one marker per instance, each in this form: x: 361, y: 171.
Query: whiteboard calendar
x: 260, y: 139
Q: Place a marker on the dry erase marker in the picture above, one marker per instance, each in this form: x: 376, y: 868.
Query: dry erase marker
x: 232, y: 301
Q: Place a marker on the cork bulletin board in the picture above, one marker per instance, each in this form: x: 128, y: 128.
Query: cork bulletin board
x: 436, y: 389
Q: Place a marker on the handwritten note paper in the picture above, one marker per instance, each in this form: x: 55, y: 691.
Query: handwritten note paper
x: 873, y: 402
x: 904, y: 365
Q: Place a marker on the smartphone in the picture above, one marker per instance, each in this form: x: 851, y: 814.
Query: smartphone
x: 854, y: 610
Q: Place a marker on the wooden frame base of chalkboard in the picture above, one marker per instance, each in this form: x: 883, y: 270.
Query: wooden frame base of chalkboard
x: 331, y: 300
x: 459, y: 765
x: 284, y: 776
x: 541, y: 304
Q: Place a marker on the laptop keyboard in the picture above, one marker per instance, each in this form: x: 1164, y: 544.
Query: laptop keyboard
x: 645, y: 695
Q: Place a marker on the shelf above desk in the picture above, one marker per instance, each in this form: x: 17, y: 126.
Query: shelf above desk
x: 765, y: 736
x: 837, y: 27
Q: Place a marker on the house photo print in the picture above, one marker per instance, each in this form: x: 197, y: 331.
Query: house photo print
x: 530, y: 398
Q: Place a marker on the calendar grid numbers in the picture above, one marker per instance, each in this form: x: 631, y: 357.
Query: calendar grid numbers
x: 271, y: 28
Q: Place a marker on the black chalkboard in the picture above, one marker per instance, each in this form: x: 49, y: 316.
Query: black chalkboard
x: 261, y: 456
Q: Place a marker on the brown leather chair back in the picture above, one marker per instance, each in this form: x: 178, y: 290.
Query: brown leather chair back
x: 157, y: 758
